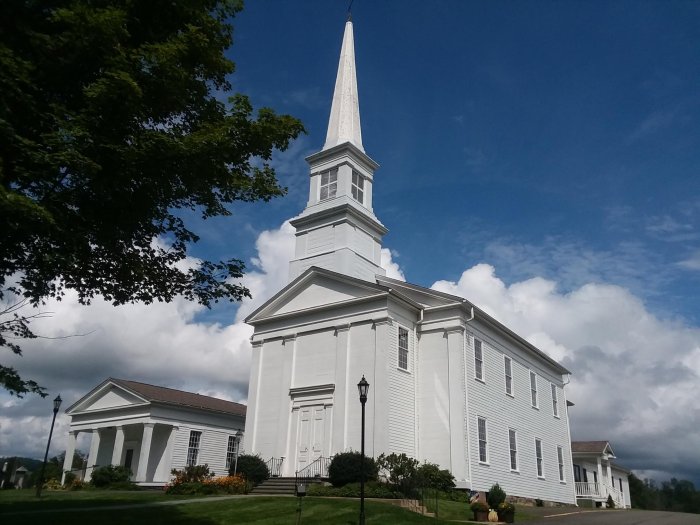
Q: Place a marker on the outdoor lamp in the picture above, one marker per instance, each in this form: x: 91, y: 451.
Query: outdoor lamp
x: 363, y: 388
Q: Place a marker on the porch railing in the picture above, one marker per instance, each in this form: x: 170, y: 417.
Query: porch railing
x: 274, y: 465
x: 599, y: 492
x: 589, y: 490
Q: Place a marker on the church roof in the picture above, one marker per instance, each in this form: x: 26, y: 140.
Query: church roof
x: 169, y: 396
x: 344, y: 121
x: 591, y: 447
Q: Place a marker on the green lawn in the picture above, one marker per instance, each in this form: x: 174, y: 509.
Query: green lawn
x: 254, y: 509
x: 456, y: 510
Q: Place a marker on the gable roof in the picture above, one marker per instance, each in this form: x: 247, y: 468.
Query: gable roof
x: 591, y: 447
x: 161, y: 394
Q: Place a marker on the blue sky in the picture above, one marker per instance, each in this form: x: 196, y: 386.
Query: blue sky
x: 541, y: 159
x: 558, y: 139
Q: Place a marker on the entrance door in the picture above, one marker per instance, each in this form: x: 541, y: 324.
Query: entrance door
x: 311, y: 435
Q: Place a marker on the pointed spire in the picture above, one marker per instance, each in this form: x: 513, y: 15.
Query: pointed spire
x: 344, y: 123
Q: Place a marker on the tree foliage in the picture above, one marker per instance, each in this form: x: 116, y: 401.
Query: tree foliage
x: 111, y: 131
x: 674, y: 495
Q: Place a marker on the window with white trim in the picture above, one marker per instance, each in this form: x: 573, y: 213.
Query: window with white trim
x: 538, y: 455
x: 555, y: 401
x: 560, y: 459
x: 193, y: 447
x: 508, y: 366
x: 483, y: 449
x: 231, y: 452
x: 403, y: 348
x: 358, y: 187
x: 329, y: 184
x: 478, y: 360
x: 513, y: 443
x: 533, y: 388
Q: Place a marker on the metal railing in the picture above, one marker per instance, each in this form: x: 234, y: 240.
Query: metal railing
x: 274, y: 466
x: 314, y: 471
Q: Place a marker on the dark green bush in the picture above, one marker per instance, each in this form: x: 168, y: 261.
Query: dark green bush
x: 610, y: 503
x: 431, y: 475
x: 193, y: 487
x: 109, y: 475
x: 345, y: 468
x: 69, y: 479
x: 252, y: 468
x: 495, y: 496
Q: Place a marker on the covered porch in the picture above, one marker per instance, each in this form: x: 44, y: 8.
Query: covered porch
x: 593, y: 475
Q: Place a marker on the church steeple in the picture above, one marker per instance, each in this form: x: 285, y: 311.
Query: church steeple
x: 344, y: 122
x: 338, y: 229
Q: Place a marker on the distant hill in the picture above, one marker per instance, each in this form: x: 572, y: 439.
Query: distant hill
x: 30, y: 464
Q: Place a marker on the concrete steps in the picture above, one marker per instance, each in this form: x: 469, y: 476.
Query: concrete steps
x: 275, y: 487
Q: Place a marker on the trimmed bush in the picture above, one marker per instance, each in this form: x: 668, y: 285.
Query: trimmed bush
x: 345, y: 468
x: 192, y: 474
x: 495, y: 496
x: 252, y: 468
x: 431, y: 475
x: 109, y: 476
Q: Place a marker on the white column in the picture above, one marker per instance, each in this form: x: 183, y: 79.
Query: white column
x: 457, y: 409
x: 70, y: 450
x: 600, y: 479
x: 92, y: 456
x: 145, y: 452
x: 118, y: 446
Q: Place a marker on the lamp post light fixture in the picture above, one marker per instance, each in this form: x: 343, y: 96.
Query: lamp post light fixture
x: 362, y: 388
x: 56, y: 406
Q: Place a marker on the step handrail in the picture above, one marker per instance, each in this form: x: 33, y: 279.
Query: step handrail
x: 316, y: 470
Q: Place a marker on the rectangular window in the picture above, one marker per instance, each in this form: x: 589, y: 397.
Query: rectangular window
x: 620, y: 480
x: 555, y: 401
x: 193, y: 448
x: 560, y: 459
x: 538, y: 455
x: 329, y: 184
x: 577, y: 473
x: 358, y: 187
x: 509, y: 375
x: 231, y: 452
x: 483, y: 451
x: 585, y: 476
x: 513, y: 450
x: 478, y: 360
x: 533, y: 389
x: 403, y: 348
x: 595, y: 476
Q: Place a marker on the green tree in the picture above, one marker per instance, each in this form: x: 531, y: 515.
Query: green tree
x: 111, y: 125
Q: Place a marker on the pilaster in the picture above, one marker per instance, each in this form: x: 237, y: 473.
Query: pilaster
x: 92, y: 455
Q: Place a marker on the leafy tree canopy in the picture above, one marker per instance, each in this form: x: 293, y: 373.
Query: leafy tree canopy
x: 110, y: 125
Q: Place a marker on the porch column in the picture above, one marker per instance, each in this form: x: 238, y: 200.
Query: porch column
x: 145, y: 452
x: 611, y: 481
x: 70, y: 450
x: 600, y: 479
x: 118, y: 446
x: 92, y: 456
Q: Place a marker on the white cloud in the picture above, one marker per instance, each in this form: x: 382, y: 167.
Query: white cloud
x: 692, y: 262
x: 634, y: 375
x: 393, y: 270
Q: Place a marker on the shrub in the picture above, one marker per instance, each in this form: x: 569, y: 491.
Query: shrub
x: 69, y: 479
x: 610, y: 503
x: 76, y: 484
x: 373, y: 489
x: 207, y: 485
x: 539, y: 502
x: 108, y: 476
x: 252, y: 468
x: 52, y: 484
x: 430, y: 475
x: 400, y: 471
x: 496, y: 495
x: 191, y: 474
x: 345, y: 468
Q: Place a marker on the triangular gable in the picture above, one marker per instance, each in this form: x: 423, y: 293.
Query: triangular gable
x: 423, y: 296
x: 105, y: 396
x: 316, y: 287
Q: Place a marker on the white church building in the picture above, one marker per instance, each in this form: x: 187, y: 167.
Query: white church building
x: 448, y: 383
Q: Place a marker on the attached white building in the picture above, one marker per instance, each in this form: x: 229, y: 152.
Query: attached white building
x: 448, y: 383
x: 597, y: 477
x: 152, y: 430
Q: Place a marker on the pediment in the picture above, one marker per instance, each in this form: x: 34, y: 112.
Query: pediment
x: 316, y: 288
x: 106, y: 396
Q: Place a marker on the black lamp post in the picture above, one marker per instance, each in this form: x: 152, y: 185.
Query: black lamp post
x: 362, y: 387
x: 56, y: 406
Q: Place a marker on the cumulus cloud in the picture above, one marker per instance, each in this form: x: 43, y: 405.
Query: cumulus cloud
x: 634, y: 375
x: 393, y: 270
x: 169, y: 344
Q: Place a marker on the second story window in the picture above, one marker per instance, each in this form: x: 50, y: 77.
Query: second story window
x: 533, y: 389
x: 555, y: 401
x: 509, y: 375
x: 403, y: 348
x: 358, y: 187
x: 478, y: 360
x: 329, y: 184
